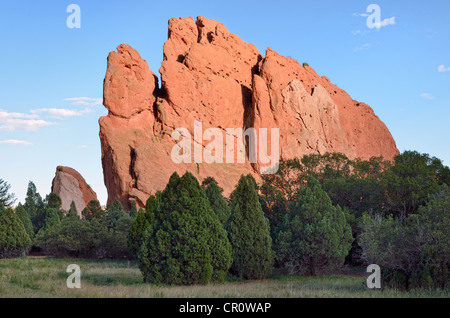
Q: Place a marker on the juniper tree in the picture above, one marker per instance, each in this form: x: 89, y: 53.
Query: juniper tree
x: 14, y: 240
x: 72, y: 210
x: 216, y: 199
x: 186, y: 244
x: 93, y: 210
x: 142, y: 221
x: 314, y: 234
x: 25, y: 218
x: 51, y: 218
x: 133, y: 210
x: 114, y: 213
x: 249, y: 232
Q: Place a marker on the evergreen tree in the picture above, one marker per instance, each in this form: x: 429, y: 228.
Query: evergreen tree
x: 6, y: 199
x: 72, y: 210
x: 93, y: 210
x: 66, y: 238
x: 413, y: 250
x: 216, y: 199
x: 249, y: 232
x: 53, y: 201
x: 140, y: 224
x: 133, y: 210
x: 114, y: 213
x: 410, y: 181
x: 51, y: 218
x: 435, y: 218
x: 314, y: 234
x: 14, y: 240
x: 25, y: 218
x: 40, y: 219
x: 186, y: 244
x: 33, y: 204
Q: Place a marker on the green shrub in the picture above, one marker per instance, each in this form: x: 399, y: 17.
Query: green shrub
x: 86, y: 238
x: 418, y: 253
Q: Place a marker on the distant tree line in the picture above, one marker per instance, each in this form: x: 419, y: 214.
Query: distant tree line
x: 313, y: 216
x: 41, y: 226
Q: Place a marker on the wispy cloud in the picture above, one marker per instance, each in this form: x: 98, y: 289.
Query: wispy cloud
x: 356, y: 14
x: 15, y: 142
x: 85, y: 101
x: 426, y: 96
x: 8, y: 115
x: 359, y: 32
x: 370, y: 24
x: 82, y: 147
x: 363, y: 47
x: 385, y: 22
x: 21, y: 122
x: 443, y: 69
x: 61, y: 112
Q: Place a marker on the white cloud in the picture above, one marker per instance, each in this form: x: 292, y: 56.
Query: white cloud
x: 61, y: 112
x: 85, y: 101
x: 359, y: 32
x: 443, y: 69
x: 20, y: 121
x: 363, y: 47
x: 23, y: 124
x: 82, y: 147
x: 385, y: 22
x: 426, y: 96
x: 7, y: 115
x: 356, y: 14
x: 15, y: 142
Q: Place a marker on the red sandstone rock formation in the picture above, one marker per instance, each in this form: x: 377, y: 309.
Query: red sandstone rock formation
x: 211, y: 75
x: 70, y: 186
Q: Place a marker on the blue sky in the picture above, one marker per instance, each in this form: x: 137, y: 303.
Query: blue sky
x: 51, y: 77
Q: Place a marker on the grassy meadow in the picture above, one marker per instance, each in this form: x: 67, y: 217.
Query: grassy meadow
x: 41, y: 277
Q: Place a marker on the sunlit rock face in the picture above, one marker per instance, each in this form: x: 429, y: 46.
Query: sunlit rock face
x: 210, y: 75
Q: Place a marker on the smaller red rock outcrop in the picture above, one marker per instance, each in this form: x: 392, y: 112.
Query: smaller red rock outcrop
x: 70, y: 186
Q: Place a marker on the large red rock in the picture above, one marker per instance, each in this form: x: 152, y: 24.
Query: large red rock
x: 211, y: 75
x: 70, y: 186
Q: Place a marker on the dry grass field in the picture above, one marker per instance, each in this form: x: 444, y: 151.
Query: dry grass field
x: 46, y: 278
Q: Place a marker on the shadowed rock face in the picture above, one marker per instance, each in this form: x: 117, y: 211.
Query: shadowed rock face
x: 70, y: 186
x: 211, y: 75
